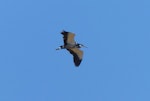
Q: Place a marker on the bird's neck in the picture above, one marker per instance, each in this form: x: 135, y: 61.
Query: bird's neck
x: 62, y: 47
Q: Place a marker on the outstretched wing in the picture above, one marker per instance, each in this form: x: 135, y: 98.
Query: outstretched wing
x: 68, y: 37
x: 77, y: 55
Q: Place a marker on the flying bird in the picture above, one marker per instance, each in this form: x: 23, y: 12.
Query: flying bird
x: 72, y: 46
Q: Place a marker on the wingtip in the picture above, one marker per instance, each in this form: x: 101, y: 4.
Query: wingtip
x: 63, y: 31
x: 77, y: 63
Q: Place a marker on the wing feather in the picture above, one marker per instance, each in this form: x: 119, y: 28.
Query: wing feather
x: 77, y: 55
x: 68, y: 37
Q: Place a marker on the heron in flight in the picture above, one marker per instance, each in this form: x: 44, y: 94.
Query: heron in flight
x: 72, y: 46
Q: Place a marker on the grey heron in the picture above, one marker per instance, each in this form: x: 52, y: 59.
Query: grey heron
x: 72, y: 46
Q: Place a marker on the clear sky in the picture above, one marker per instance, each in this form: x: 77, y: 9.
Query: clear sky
x: 116, y: 64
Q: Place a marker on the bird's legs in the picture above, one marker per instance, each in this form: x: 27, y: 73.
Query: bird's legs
x: 60, y: 47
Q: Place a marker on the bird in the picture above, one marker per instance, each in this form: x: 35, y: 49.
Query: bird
x: 72, y: 46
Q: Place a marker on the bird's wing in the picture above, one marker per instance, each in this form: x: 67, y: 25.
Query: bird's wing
x: 68, y: 38
x: 77, y: 55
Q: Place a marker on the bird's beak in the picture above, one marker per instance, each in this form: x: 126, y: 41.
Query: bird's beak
x: 85, y: 47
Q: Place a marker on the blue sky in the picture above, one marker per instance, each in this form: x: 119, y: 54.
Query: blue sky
x: 116, y: 64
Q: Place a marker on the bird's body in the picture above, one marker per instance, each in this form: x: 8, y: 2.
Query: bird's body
x: 72, y: 47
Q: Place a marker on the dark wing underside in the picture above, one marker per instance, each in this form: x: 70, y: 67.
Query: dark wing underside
x: 68, y: 37
x: 77, y: 55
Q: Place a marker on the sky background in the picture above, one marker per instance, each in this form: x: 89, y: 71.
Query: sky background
x: 116, y: 64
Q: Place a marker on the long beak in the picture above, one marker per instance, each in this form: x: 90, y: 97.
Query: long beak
x: 85, y: 47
